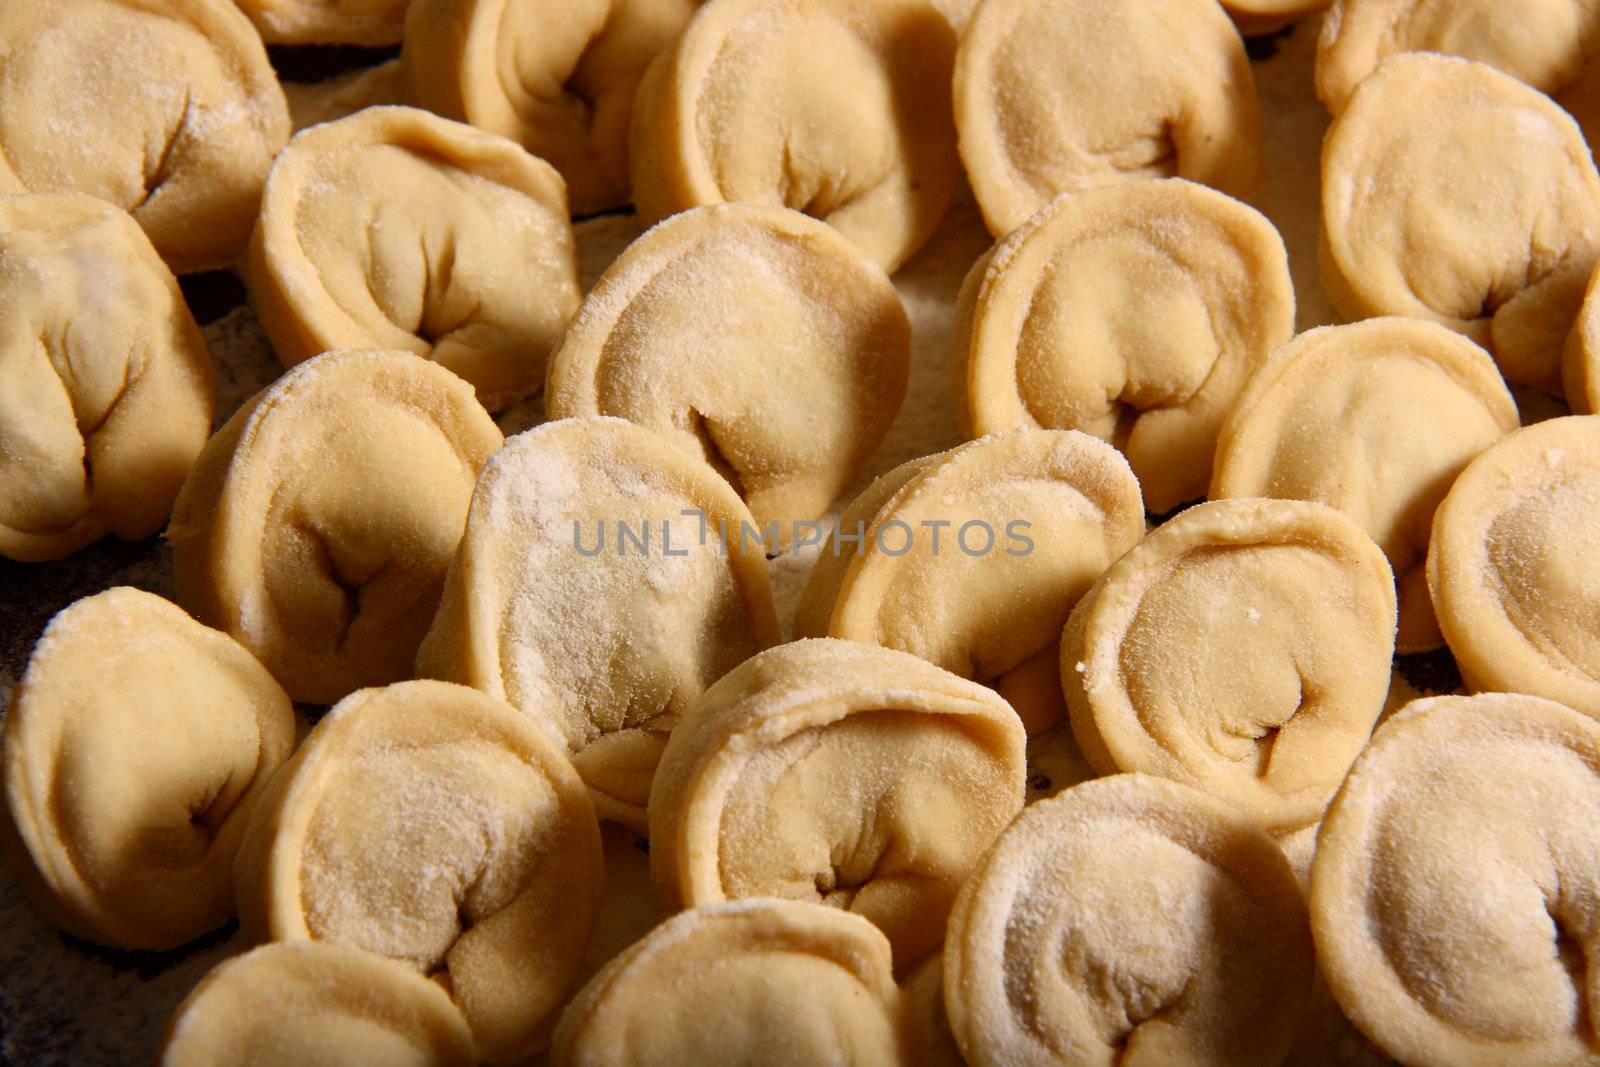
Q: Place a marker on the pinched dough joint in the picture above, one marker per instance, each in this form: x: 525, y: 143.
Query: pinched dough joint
x: 1455, y: 193
x: 1129, y: 919
x: 1059, y: 96
x: 793, y: 984
x: 108, y: 388
x: 1133, y: 312
x: 440, y: 827
x: 830, y: 107
x: 1270, y: 708
x: 1515, y: 564
x: 1375, y: 419
x: 319, y: 523
x: 135, y: 748
x: 775, y: 784
x: 166, y: 108
x: 604, y: 581
x: 558, y: 78
x: 394, y: 228
x: 753, y: 336
x: 300, y: 1002
x: 1452, y: 894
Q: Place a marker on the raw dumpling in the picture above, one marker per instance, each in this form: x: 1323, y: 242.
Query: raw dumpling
x: 167, y: 109
x: 345, y: 94
x: 1243, y: 648
x: 1375, y: 419
x: 1058, y: 96
x: 319, y: 523
x: 108, y: 385
x: 1262, y: 17
x: 135, y: 748
x: 831, y: 107
x: 394, y: 228
x: 604, y: 581
x: 1134, y: 312
x: 435, y: 825
x: 1129, y: 920
x: 753, y: 336
x: 372, y: 23
x: 1455, y: 193
x: 837, y: 772
x: 927, y: 1030
x: 1580, y: 361
x: 559, y: 78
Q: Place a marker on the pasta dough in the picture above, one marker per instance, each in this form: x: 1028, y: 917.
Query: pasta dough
x: 301, y: 1002
x: 1375, y: 419
x: 1134, y: 312
x: 753, y: 336
x: 779, y: 782
x: 927, y: 1029
x: 373, y: 23
x: 1132, y: 920
x: 1058, y: 96
x: 558, y: 78
x: 1242, y: 648
x: 135, y: 748
x: 393, y: 228
x: 1453, y: 886
x: 1580, y: 361
x: 319, y: 523
x: 1515, y: 564
x: 108, y: 385
x: 166, y: 108
x: 1455, y: 193
x: 435, y: 825
x: 1261, y: 17
x: 830, y: 107
x: 602, y: 584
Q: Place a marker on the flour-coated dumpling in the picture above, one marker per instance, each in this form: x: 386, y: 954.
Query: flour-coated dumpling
x: 841, y: 773
x: 372, y: 23
x: 319, y: 523
x: 1580, y: 360
x: 134, y: 750
x: 166, y: 108
x: 831, y: 107
x: 394, y: 228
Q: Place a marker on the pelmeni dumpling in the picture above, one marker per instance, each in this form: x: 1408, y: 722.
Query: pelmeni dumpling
x: 1057, y: 96
x: 1134, y: 312
x: 319, y: 523
x: 754, y: 336
x: 1262, y: 17
x: 831, y: 107
x: 927, y: 1029
x: 435, y: 825
x: 108, y: 385
x: 1580, y: 360
x: 1455, y: 193
x: 1129, y: 920
x: 605, y: 579
x: 840, y: 773
x: 394, y: 228
x: 135, y: 748
x: 167, y: 109
x: 372, y: 23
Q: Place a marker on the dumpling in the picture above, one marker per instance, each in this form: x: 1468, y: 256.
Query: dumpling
x: 1261, y: 17
x: 371, y: 23
x: 1580, y: 360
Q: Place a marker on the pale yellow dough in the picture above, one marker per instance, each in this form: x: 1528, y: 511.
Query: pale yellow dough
x: 1134, y: 312
x: 831, y: 107
x: 1455, y: 193
x: 1243, y: 648
x: 1129, y: 920
x: 306, y: 1002
x: 1058, y: 96
x: 928, y: 1037
x: 557, y: 77
x: 372, y: 23
x: 1515, y: 564
x: 841, y: 773
x: 438, y: 826
x: 166, y: 108
x: 394, y: 228
x: 319, y: 523
x: 1375, y: 419
x: 135, y: 748
x: 1454, y: 886
x: 605, y: 641
x: 1580, y: 361
x: 107, y: 383
x: 753, y: 336
x: 777, y: 983
x: 1260, y: 17
x: 345, y: 94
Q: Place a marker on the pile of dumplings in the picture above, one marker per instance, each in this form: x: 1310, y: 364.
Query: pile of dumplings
x: 1079, y: 742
